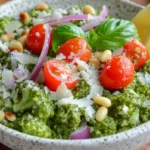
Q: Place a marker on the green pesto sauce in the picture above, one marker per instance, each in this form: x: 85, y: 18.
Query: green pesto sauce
x: 82, y: 89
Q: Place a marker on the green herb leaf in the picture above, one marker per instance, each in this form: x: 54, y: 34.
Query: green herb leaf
x: 112, y: 34
x: 65, y: 32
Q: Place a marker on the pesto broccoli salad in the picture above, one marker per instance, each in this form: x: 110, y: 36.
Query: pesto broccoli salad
x: 72, y: 74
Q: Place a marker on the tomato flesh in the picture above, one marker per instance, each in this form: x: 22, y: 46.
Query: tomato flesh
x: 75, y: 48
x: 57, y: 72
x: 117, y: 73
x: 137, y: 52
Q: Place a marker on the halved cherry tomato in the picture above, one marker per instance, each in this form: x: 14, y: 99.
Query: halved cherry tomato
x: 76, y: 48
x: 57, y: 72
x: 137, y: 52
x: 117, y: 73
x: 35, y: 39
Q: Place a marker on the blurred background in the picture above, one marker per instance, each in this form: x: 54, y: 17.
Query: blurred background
x: 142, y: 2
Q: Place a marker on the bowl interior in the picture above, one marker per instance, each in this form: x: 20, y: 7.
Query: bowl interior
x: 118, y: 8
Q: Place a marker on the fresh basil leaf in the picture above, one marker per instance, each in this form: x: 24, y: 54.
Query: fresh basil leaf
x: 91, y: 36
x: 65, y: 32
x: 112, y: 34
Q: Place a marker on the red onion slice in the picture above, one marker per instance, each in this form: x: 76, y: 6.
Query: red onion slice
x: 18, y: 73
x: 97, y: 20
x: 81, y: 133
x: 43, y: 55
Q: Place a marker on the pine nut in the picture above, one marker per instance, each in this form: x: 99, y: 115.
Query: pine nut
x: 23, y: 40
x: 25, y: 32
x: 105, y: 56
x: 2, y: 115
x: 95, y: 63
x: 103, y: 101
x: 15, y: 46
x: 24, y: 17
x: 97, y: 55
x: 10, y: 116
x: 41, y: 7
x: 87, y: 9
x: 101, y: 114
x: 80, y: 68
x: 7, y: 37
x: 137, y: 50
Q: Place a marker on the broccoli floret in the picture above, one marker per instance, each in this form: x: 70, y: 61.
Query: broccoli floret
x: 13, y: 125
x: 106, y: 127
x: 34, y: 126
x: 30, y: 96
x: 5, y: 60
x: 67, y: 119
x: 3, y: 22
x: 125, y: 109
x: 146, y: 67
x: 35, y: 13
x: 5, y: 103
x: 82, y: 89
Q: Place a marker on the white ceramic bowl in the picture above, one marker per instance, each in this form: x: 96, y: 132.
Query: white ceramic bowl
x: 128, y: 140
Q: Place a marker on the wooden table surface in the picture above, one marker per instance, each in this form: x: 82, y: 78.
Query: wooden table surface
x: 144, y: 147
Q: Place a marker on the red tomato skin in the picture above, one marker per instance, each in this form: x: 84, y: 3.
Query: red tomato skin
x: 52, y: 81
x: 77, y: 46
x: 137, y: 52
x: 35, y: 39
x: 117, y: 73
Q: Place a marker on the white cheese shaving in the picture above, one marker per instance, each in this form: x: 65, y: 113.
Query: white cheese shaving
x: 96, y: 90
x: 4, y: 47
x: 23, y: 58
x: 60, y: 56
x: 3, y: 89
x: 12, y: 26
x: 125, y: 109
x: 7, y: 78
x: 61, y: 92
x: 89, y: 113
x: 144, y: 78
x: 37, y: 34
x: 84, y: 102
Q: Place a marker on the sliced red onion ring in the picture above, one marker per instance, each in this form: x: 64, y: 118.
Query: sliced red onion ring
x: 81, y: 133
x: 18, y: 73
x: 43, y: 55
x: 69, y: 18
x: 97, y: 20
x: 11, y: 84
x: 54, y: 24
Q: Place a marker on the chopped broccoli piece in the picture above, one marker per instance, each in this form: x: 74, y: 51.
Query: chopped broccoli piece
x: 125, y: 109
x: 34, y: 126
x: 67, y: 119
x: 35, y: 13
x: 82, y: 89
x: 5, y: 60
x: 30, y: 96
x: 3, y: 22
x: 13, y: 125
x: 106, y: 127
x: 146, y: 67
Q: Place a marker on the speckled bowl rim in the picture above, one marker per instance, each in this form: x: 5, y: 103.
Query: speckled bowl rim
x: 131, y: 133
